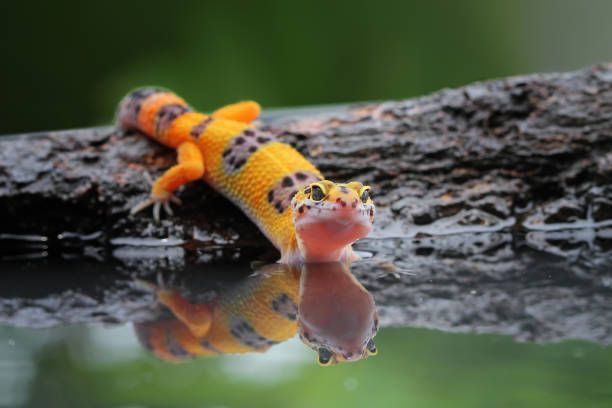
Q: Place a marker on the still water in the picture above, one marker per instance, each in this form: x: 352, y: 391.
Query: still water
x: 465, y: 320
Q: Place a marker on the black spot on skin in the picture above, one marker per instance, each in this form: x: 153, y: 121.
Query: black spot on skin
x: 301, y: 210
x: 270, y: 196
x: 287, y: 182
x: 284, y: 306
x: 286, y: 188
x: 344, y: 189
x: 145, y: 92
x: 132, y: 103
x: 279, y: 207
x: 300, y: 176
x: 166, y: 115
x: 242, y: 147
x: 197, y: 130
x: 206, y: 344
x: 247, y: 335
x: 228, y: 151
x: 174, y: 347
x: 308, y: 207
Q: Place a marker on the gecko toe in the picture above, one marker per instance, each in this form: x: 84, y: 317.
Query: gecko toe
x: 168, y: 209
x: 156, y: 211
x: 141, y: 206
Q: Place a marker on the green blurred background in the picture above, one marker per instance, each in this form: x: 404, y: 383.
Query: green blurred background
x: 66, y: 64
x: 95, y: 367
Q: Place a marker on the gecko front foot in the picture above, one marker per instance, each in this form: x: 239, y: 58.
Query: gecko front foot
x: 158, y: 203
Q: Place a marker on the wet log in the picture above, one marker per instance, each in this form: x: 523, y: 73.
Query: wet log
x: 522, y: 152
x: 495, y: 200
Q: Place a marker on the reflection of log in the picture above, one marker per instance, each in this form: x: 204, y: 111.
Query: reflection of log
x: 512, y: 159
x: 537, y: 148
x: 496, y: 283
x: 486, y: 283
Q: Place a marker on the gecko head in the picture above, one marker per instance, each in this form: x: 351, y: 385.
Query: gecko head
x: 337, y: 316
x: 340, y: 348
x: 329, y: 216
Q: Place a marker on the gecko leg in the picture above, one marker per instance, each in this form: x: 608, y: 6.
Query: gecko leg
x: 190, y: 167
x: 197, y: 317
x: 245, y: 112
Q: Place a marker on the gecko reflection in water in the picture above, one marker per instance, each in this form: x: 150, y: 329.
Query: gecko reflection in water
x: 332, y: 312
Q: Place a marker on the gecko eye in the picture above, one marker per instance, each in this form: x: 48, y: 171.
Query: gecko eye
x: 372, y: 350
x: 318, y: 192
x: 365, y: 194
x: 324, y: 356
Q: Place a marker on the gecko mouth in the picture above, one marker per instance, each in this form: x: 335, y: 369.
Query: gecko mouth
x: 340, y: 218
x: 327, y: 228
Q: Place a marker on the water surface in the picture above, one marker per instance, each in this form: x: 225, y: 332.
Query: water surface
x: 479, y: 319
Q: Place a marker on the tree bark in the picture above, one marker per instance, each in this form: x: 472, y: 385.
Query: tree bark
x: 503, y: 186
x: 536, y: 149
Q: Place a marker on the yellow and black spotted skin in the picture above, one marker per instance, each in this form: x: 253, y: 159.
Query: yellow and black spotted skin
x: 253, y: 316
x: 267, y: 308
x: 247, y: 165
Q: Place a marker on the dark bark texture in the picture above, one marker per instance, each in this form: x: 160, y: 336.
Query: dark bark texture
x: 495, y: 197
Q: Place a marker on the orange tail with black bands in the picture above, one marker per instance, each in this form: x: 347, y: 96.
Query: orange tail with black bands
x: 153, y: 111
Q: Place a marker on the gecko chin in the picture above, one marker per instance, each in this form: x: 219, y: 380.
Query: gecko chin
x: 326, y: 233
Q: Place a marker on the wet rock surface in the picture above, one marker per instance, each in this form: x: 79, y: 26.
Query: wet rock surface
x: 482, y: 282
x: 494, y: 211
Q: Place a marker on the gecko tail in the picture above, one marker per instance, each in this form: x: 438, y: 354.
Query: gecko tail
x: 153, y: 111
x: 129, y: 108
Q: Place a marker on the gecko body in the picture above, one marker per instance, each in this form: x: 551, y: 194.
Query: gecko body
x: 266, y: 308
x: 307, y: 218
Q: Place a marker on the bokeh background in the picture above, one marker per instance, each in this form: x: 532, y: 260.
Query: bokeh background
x: 106, y: 367
x: 66, y: 64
